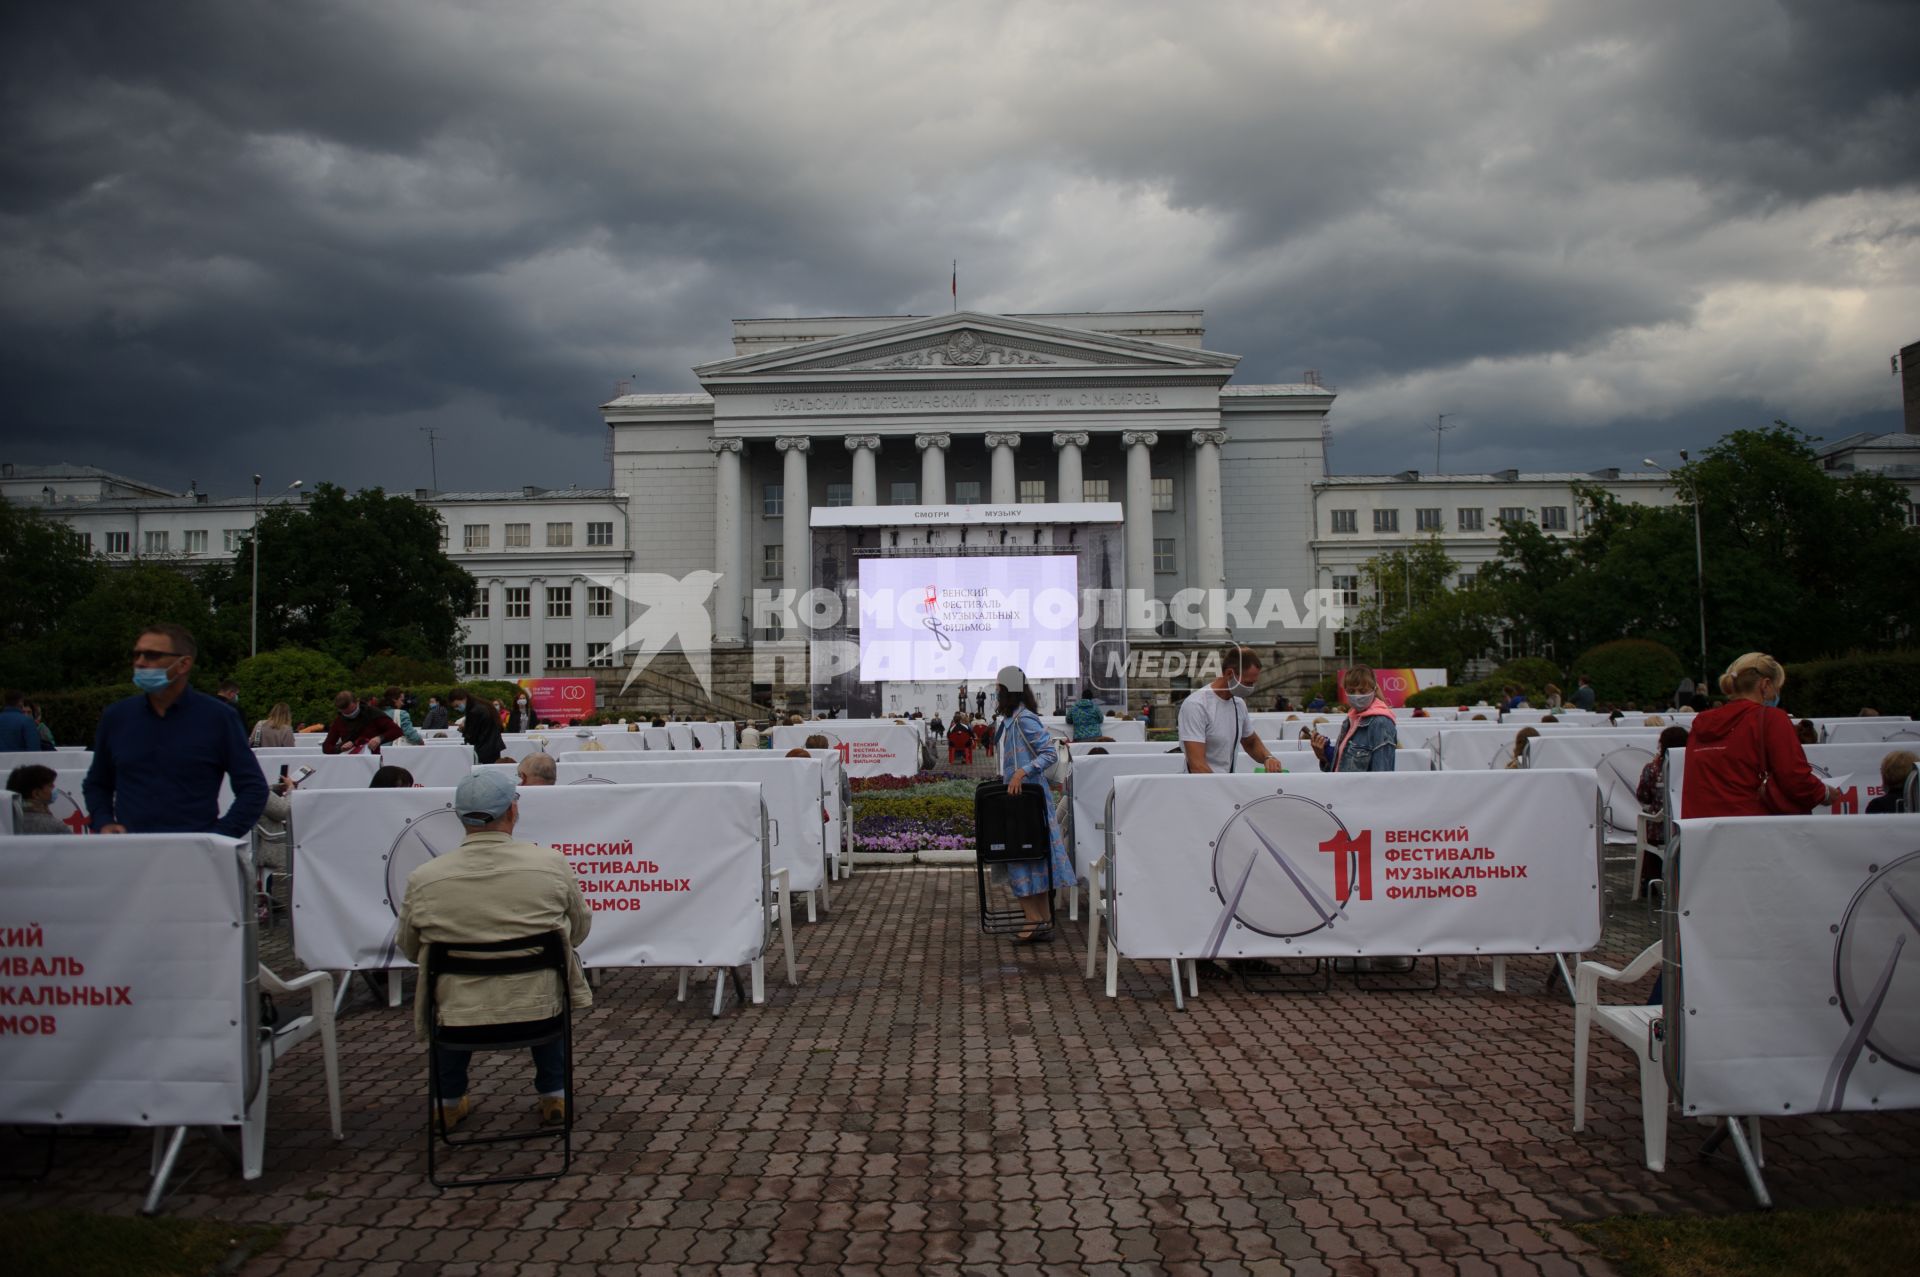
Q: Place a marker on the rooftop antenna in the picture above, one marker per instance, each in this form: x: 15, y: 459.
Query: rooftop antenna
x: 956, y: 284
x: 1439, y: 428
x: 433, y: 456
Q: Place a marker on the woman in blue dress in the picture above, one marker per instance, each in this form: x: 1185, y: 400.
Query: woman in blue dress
x: 1026, y: 751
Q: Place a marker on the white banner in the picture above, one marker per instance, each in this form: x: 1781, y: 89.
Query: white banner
x: 794, y: 790
x: 1088, y: 786
x: 432, y: 766
x: 1117, y: 729
x: 1617, y: 759
x: 1863, y: 731
x: 123, y: 980
x: 1324, y: 866
x: 867, y: 746
x: 1852, y: 769
x: 61, y: 760
x: 1305, y: 760
x: 674, y: 874
x: 1799, y: 965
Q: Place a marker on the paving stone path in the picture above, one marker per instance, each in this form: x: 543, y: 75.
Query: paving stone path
x: 932, y: 1100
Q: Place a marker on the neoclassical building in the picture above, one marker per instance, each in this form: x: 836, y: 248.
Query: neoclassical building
x: 970, y: 409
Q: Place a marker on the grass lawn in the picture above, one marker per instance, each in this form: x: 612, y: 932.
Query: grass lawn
x: 54, y: 1243
x: 1789, y: 1243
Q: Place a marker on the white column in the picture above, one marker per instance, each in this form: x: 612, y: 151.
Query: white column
x: 576, y: 590
x: 1070, y: 488
x: 1004, y: 490
x: 793, y: 516
x: 496, y: 626
x: 537, y: 610
x: 1139, y: 514
x: 1210, y: 553
x: 729, y: 556
x: 933, y: 467
x: 866, y: 486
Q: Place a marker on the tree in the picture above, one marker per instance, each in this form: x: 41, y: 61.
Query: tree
x: 349, y: 576
x: 92, y: 643
x: 306, y: 681
x: 1395, y: 586
x: 48, y: 569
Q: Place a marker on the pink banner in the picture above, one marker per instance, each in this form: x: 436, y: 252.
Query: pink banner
x: 559, y: 700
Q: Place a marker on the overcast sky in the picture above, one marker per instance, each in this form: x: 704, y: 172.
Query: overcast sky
x: 282, y: 237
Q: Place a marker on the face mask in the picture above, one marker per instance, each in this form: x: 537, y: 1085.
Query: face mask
x: 1361, y: 700
x: 350, y: 713
x: 522, y: 702
x: 1238, y: 689
x: 150, y: 680
x: 1772, y: 702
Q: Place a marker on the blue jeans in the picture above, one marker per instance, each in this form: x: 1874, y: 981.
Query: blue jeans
x: 451, y: 1058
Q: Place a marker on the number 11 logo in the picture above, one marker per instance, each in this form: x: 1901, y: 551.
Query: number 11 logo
x: 1338, y: 847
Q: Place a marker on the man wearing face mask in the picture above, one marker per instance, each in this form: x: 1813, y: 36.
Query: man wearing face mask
x: 1369, y: 736
x: 158, y: 758
x: 357, y: 728
x: 1215, y: 720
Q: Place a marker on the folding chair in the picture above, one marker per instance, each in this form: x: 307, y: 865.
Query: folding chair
x: 1009, y: 829
x: 1645, y: 849
x: 546, y: 952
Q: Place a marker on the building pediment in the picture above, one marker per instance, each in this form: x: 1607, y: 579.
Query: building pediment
x: 966, y: 343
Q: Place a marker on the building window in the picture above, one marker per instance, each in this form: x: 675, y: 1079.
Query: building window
x: 1426, y: 520
x: 1163, y: 554
x: 773, y: 500
x: 482, y: 604
x: 231, y: 539
x: 772, y: 561
x: 119, y: 542
x: 598, y: 655
x: 839, y: 494
x: 966, y: 492
x: 474, y: 660
x: 519, y: 536
x: 905, y: 492
x: 156, y: 543
x: 1162, y: 494
x: 559, y: 602
x: 1913, y: 514
x: 599, y: 600
x: 1464, y: 581
x: 476, y: 536
x: 1512, y: 514
x: 1553, y: 518
x: 443, y: 538
x: 196, y: 542
x: 1346, y: 520
x: 519, y: 602
x: 1470, y: 520
x: 1032, y: 492
x: 599, y: 534
x: 519, y: 659
x: 1348, y: 590
x: 86, y: 542
x: 559, y: 534
x: 1099, y: 490
x: 1386, y: 520
x: 559, y: 656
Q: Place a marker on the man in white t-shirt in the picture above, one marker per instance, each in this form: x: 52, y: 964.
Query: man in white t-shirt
x: 1215, y: 719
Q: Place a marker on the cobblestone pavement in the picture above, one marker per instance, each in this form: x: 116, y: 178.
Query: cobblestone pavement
x: 932, y: 1100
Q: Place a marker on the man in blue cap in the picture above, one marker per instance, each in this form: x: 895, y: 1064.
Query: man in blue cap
x: 494, y: 887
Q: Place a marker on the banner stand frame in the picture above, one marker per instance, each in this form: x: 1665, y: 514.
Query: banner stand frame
x: 1263, y: 976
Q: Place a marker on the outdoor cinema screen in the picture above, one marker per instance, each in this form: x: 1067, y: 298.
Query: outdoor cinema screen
x: 964, y: 618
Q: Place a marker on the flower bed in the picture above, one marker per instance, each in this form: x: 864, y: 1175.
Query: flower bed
x: 932, y: 811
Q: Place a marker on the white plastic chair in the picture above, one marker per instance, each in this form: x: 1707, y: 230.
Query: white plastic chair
x: 1636, y: 1026
x: 1643, y: 848
x: 286, y: 1036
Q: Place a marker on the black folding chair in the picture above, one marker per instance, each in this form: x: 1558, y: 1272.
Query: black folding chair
x: 1009, y: 829
x: 546, y: 952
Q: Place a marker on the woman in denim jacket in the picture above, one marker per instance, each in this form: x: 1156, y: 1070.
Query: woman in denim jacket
x: 1368, y: 737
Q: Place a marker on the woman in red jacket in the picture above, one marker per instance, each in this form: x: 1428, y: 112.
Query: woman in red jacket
x: 1743, y: 758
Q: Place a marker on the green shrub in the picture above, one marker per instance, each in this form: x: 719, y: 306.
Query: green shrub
x: 1633, y: 673
x: 1886, y: 681
x: 74, y: 712
x: 1530, y: 673
x: 1429, y: 697
x: 305, y: 680
x: 390, y: 669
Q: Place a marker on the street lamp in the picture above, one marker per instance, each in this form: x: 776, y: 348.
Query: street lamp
x: 1699, y: 567
x: 253, y: 643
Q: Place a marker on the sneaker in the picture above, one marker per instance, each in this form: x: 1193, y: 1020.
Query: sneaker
x: 553, y: 1110
x: 451, y: 1115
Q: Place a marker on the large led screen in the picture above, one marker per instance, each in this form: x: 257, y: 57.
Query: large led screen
x: 964, y: 618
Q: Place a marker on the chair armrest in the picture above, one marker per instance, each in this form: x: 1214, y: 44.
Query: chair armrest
x: 1589, y: 974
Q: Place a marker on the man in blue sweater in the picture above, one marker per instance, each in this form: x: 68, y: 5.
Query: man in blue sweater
x: 158, y: 758
x: 18, y: 732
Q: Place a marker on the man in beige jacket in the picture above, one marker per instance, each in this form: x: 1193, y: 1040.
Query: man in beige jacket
x: 494, y: 887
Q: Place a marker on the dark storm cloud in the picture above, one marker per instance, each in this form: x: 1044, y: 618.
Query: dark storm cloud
x: 231, y: 231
